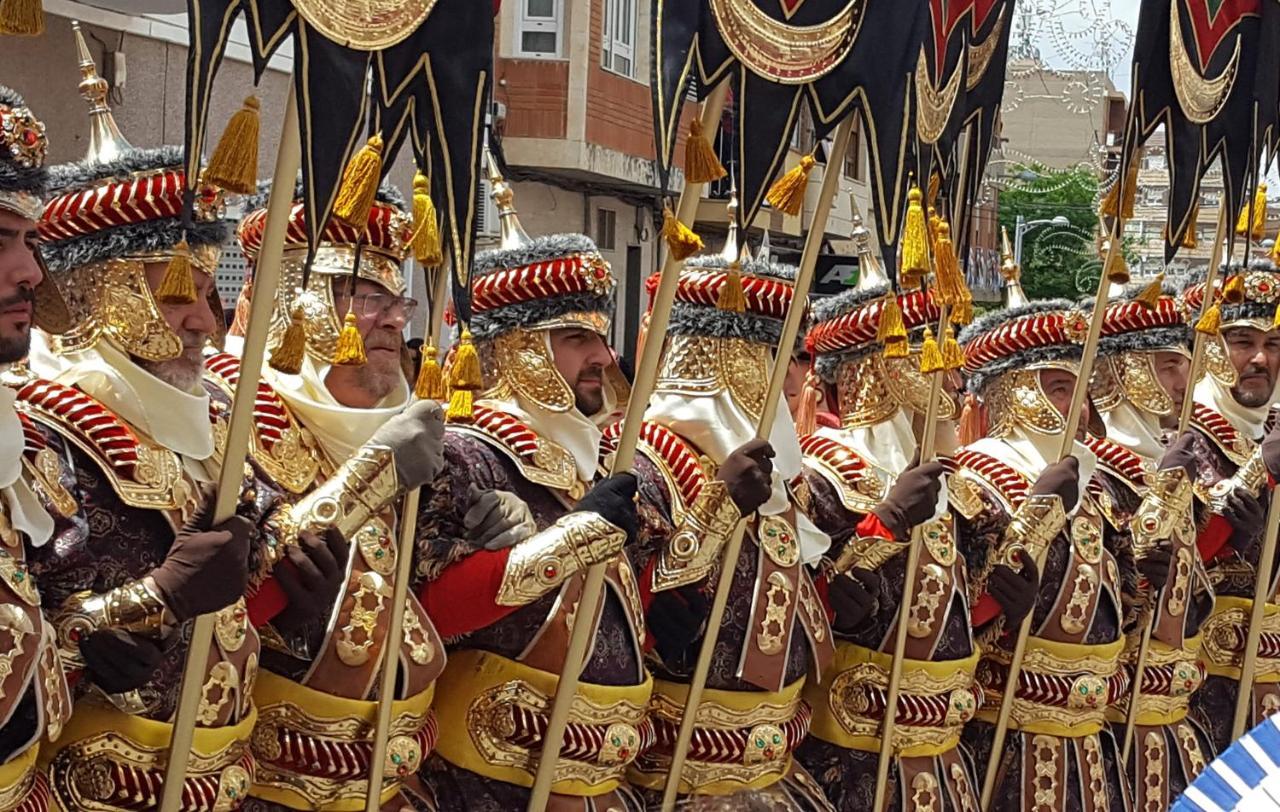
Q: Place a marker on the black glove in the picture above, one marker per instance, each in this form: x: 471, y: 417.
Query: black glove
x: 912, y: 499
x: 854, y: 598
x: 1271, y: 451
x: 675, y: 619
x: 1155, y: 566
x: 614, y: 499
x: 1063, y: 479
x: 206, y: 569
x: 119, y: 661
x: 1246, y: 516
x: 312, y: 574
x: 1181, y: 454
x: 748, y: 473
x: 1015, y: 591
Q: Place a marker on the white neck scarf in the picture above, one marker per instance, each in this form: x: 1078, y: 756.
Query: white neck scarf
x: 1249, y: 421
x: 1135, y: 429
x: 26, y: 513
x: 1029, y: 453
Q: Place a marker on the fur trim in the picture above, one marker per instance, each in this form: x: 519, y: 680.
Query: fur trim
x: 137, y: 238
x: 540, y: 249
x: 530, y: 314
x: 1150, y: 340
x: 980, y: 378
x: 827, y: 365
x: 833, y: 307
x: 86, y: 173
x: 11, y: 97
x: 750, y: 267
x: 695, y: 320
x: 992, y: 320
x: 1247, y: 311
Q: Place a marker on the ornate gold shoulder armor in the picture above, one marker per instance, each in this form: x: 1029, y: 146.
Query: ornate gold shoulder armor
x: 964, y: 493
x: 539, y: 460
x: 858, y: 483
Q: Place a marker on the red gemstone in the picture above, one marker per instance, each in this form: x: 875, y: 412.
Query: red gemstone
x: 29, y: 137
x: 550, y: 571
x: 599, y: 273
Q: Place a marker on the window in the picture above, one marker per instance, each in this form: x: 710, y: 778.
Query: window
x: 606, y: 229
x: 486, y: 210
x: 853, y: 157
x: 620, y: 37
x: 538, y: 27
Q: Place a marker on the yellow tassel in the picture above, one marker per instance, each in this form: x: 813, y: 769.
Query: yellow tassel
x: 350, y: 351
x: 430, y: 384
x: 359, y: 187
x: 897, y: 349
x: 24, y: 18
x: 178, y: 287
x: 1190, y: 240
x: 234, y: 165
x: 1211, y: 322
x: 732, y: 297
x: 915, y: 241
x: 701, y: 164
x: 1110, y: 204
x: 465, y: 379
x: 1150, y: 295
x: 1275, y: 320
x: 952, y: 354
x: 1233, y: 291
x: 891, y: 328
x: 952, y: 290
x: 935, y: 185
x: 426, y: 231
x: 287, y: 356
x: 934, y: 221
x: 930, y: 354
x: 682, y: 242
x: 1117, y: 268
x: 1275, y: 251
x: 962, y: 313
x: 1256, y: 228
x: 787, y: 193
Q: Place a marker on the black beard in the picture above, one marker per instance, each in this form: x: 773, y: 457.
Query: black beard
x: 14, y: 349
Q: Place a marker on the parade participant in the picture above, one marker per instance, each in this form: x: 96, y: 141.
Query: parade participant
x: 705, y: 471
x: 34, y: 699
x: 1016, y: 503
x: 1233, y: 402
x: 126, y: 435
x: 339, y: 434
x: 540, y: 310
x: 1140, y: 378
x: 868, y: 498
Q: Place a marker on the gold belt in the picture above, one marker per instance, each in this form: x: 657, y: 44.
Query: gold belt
x: 1169, y: 678
x: 23, y: 787
x: 504, y: 705
x: 937, y: 699
x: 1224, y: 636
x: 1064, y: 688
x: 313, y: 749
x: 741, y: 740
x: 110, y: 761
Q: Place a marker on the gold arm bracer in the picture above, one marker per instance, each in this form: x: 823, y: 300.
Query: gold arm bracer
x: 1165, y: 511
x: 695, y: 546
x: 547, y: 559
x: 134, y: 607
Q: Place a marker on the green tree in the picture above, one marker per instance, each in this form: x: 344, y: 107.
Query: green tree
x: 1057, y: 261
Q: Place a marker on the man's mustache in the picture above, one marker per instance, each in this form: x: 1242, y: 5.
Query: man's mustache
x: 23, y: 296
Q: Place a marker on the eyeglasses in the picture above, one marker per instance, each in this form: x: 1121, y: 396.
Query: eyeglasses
x: 377, y: 304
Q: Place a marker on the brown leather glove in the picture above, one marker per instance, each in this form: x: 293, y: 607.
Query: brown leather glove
x: 748, y: 474
x: 1271, y: 451
x: 912, y: 499
x: 1015, y: 591
x: 614, y: 500
x: 1155, y: 566
x: 416, y: 439
x: 497, y: 520
x: 206, y: 569
x: 1062, y: 479
x: 311, y: 574
x: 119, y: 661
x: 854, y: 598
x: 1181, y: 454
x: 1246, y: 515
x: 675, y: 619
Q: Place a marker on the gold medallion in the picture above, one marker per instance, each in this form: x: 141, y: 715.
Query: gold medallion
x: 365, y: 26
x: 779, y: 541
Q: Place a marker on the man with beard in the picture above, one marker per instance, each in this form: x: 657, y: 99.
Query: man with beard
x: 1139, y: 380
x: 1016, y: 502
x: 1233, y: 400
x: 34, y: 701
x: 540, y: 310
x: 704, y: 472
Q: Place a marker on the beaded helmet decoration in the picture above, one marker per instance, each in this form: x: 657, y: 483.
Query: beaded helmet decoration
x: 1247, y: 296
x: 111, y: 215
x: 1140, y: 320
x: 868, y: 347
x: 381, y: 250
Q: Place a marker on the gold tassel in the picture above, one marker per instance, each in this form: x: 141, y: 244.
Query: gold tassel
x: 952, y: 354
x: 1275, y: 320
x: 915, y: 241
x: 930, y: 354
x: 1233, y: 291
x: 1117, y: 268
x: 465, y: 380
x: 897, y: 349
x: 935, y: 186
x: 973, y: 421
x: 23, y: 18
x: 178, y: 287
x: 732, y: 297
x: 234, y: 165
x: 287, y: 356
x: 1275, y: 251
x: 682, y: 242
x: 426, y: 231
x: 1110, y: 207
x: 359, y: 187
x: 1257, y: 227
x: 1211, y: 322
x: 807, y: 413
x: 1150, y: 295
x: 350, y: 351
x: 1189, y: 239
x: 962, y: 313
x: 430, y: 384
x: 787, y: 193
x: 951, y: 289
x: 891, y: 328
x: 701, y: 164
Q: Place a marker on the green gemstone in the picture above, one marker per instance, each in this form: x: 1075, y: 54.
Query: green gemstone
x: 395, y: 759
x: 760, y: 743
x: 777, y: 740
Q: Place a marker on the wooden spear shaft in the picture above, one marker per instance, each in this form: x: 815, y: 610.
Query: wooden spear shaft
x: 230, y: 478
x: 623, y: 460
x: 1184, y: 421
x: 1261, y: 591
x: 777, y: 376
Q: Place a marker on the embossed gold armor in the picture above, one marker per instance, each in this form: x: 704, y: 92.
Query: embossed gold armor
x: 701, y: 366
x: 1017, y: 399
x: 546, y: 560
x: 695, y: 546
x: 135, y: 607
